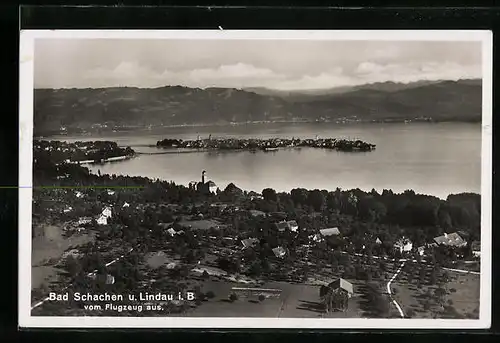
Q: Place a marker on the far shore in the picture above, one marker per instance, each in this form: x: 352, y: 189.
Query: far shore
x: 108, y: 130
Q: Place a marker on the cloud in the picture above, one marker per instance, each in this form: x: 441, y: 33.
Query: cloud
x: 368, y: 72
x: 132, y: 74
x: 241, y: 75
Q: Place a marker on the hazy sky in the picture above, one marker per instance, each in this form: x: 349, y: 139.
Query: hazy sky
x: 278, y: 64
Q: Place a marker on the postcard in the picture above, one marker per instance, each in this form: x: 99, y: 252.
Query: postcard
x: 255, y: 179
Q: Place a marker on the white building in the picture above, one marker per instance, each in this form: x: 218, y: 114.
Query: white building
x: 316, y: 237
x: 107, y: 212
x: 403, y: 245
x: 293, y: 226
x: 84, y: 220
x: 334, y: 231
x: 279, y: 252
x: 102, y: 220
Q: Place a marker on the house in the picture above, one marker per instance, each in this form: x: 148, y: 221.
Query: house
x: 257, y: 213
x: 84, y: 220
x: 421, y: 250
x: 378, y: 241
x: 108, y: 279
x: 403, y: 245
x: 126, y: 204
x: 476, y: 248
x: 171, y: 232
x: 73, y: 253
x: 451, y: 240
x: 75, y: 228
x: 282, y: 226
x: 334, y: 231
x: 106, y: 212
x: 212, y: 187
x: 171, y: 265
x: 316, y: 237
x: 206, y: 187
x: 254, y: 195
x: 68, y: 209
x: 249, y: 242
x: 79, y: 194
x: 293, y: 226
x: 110, y: 192
x: 279, y: 252
x: 336, y: 295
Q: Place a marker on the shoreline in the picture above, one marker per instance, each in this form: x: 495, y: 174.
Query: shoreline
x: 266, y: 145
x: 106, y: 160
x: 179, y: 126
x: 223, y: 185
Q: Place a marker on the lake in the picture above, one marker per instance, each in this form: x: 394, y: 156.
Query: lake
x: 431, y: 158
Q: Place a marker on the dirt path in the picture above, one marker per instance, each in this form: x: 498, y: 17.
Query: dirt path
x: 389, y: 289
x: 89, y: 274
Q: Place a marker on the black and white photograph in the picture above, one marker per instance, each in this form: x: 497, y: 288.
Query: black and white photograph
x: 255, y: 179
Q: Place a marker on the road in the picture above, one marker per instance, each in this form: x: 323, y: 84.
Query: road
x: 41, y: 302
x: 390, y: 292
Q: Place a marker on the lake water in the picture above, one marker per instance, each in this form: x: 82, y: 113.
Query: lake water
x: 437, y: 159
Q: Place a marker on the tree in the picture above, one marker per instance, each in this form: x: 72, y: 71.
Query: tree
x: 444, y: 218
x: 261, y: 297
x: 316, y: 199
x: 189, y: 257
x: 255, y: 269
x: 72, y: 266
x: 233, y: 297
x: 269, y: 194
x: 299, y: 196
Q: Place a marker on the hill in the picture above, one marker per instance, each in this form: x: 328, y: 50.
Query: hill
x: 142, y: 107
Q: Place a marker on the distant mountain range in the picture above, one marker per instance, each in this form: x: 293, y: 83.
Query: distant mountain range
x: 175, y: 105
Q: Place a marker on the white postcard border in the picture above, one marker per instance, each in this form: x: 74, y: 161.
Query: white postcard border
x: 26, y: 104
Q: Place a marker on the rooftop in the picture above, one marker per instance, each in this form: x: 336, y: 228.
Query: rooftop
x: 330, y: 232
x: 451, y: 239
x: 343, y: 284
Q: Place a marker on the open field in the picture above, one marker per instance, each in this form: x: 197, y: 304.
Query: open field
x: 295, y: 301
x: 464, y: 293
x: 457, y: 298
x: 157, y: 259
x: 47, y: 250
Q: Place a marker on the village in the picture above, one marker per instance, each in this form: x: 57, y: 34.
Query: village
x: 266, y: 144
x: 306, y: 253
x: 81, y: 152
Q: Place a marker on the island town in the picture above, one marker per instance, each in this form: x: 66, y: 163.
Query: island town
x: 271, y: 144
x: 316, y: 253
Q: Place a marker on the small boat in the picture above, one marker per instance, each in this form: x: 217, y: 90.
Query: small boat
x: 270, y: 149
